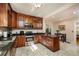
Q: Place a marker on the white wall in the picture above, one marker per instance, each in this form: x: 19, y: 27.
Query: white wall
x: 69, y: 28
x: 49, y: 24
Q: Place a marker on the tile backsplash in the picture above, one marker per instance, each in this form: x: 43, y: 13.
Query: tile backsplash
x: 34, y: 31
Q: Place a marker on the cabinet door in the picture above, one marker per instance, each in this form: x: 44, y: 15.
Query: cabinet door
x: 36, y: 39
x: 19, y: 41
x: 21, y: 18
x: 9, y: 16
x: 30, y: 20
x: 37, y: 23
x: 9, y: 19
x: 56, y: 45
x: 14, y: 21
x: 3, y: 14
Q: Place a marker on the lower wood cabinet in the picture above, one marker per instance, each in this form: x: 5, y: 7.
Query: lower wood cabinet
x: 50, y: 42
x: 37, y: 38
x: 19, y: 41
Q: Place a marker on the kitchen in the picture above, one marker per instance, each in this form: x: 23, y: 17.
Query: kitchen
x: 16, y: 29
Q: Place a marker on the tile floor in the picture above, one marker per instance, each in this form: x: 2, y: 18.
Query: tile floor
x: 32, y: 49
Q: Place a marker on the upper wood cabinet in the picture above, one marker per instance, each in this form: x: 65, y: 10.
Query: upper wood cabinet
x: 7, y: 16
x: 3, y: 14
x: 23, y: 17
x: 35, y: 22
x: 9, y: 13
x: 14, y: 20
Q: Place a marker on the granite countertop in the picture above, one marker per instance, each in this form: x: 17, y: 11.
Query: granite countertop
x: 5, y: 45
x: 26, y: 34
x: 5, y: 38
x: 4, y: 49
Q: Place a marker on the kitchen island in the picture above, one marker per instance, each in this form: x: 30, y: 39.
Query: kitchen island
x: 51, y: 42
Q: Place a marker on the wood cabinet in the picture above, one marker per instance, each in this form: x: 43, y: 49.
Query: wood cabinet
x: 37, y: 38
x: 19, y: 41
x: 35, y: 22
x: 7, y: 16
x: 51, y: 43
x: 3, y: 14
x: 23, y: 18
x: 77, y: 40
x: 14, y: 20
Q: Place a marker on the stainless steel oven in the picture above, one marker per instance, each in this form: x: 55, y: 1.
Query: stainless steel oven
x: 29, y: 36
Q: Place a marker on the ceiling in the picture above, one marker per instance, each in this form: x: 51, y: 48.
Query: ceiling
x: 44, y: 10
x: 54, y: 11
x: 65, y: 14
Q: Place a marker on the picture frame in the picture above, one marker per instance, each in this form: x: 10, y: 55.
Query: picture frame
x: 61, y: 27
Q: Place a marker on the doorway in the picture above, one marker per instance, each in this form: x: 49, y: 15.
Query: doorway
x: 77, y: 32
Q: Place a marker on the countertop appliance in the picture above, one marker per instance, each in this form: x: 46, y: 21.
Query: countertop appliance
x: 5, y: 34
x: 21, y: 32
x: 0, y: 33
x: 28, y: 26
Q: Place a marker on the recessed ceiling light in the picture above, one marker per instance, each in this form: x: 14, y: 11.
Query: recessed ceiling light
x: 74, y: 12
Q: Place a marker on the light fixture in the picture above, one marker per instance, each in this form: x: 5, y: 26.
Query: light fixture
x: 37, y: 5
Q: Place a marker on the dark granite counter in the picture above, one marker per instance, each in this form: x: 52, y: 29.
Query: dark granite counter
x: 5, y: 48
x: 26, y: 34
x: 5, y: 38
x: 6, y: 42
